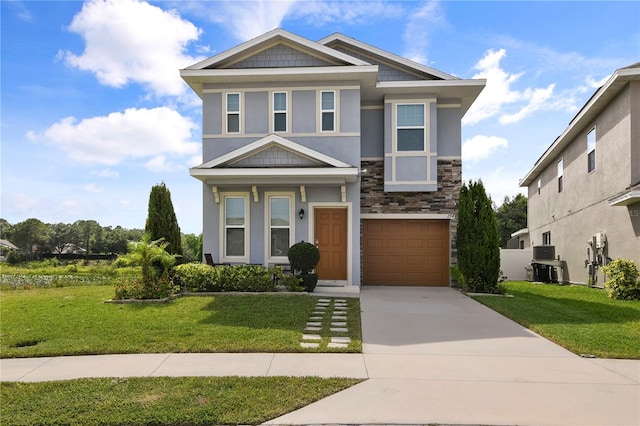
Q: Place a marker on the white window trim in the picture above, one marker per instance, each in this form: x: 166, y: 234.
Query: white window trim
x: 267, y: 228
x: 425, y: 139
x: 560, y: 173
x: 593, y: 149
x: 539, y: 185
x: 273, y: 112
x: 223, y: 227
x: 227, y: 112
x: 334, y: 111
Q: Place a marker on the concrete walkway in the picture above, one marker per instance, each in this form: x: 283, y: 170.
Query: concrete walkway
x: 430, y: 355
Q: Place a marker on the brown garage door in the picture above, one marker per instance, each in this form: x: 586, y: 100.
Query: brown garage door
x: 411, y: 252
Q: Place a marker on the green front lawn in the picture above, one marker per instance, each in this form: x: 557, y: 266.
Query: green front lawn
x: 162, y: 400
x: 583, y: 320
x: 76, y: 321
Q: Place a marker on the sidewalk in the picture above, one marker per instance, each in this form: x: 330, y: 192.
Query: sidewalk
x: 177, y: 365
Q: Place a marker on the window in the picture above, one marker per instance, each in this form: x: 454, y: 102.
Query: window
x: 328, y: 109
x: 591, y: 150
x: 410, y: 127
x: 546, y: 238
x: 233, y: 112
x: 560, y: 173
x: 236, y: 231
x: 279, y: 226
x: 539, y: 185
x: 280, y: 112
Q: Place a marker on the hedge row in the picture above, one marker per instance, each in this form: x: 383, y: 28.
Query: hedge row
x: 197, y: 277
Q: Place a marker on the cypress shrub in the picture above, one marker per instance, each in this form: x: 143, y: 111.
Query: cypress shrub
x: 477, y: 240
x: 161, y: 220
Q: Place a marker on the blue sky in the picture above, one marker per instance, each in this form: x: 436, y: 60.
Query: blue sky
x: 94, y: 112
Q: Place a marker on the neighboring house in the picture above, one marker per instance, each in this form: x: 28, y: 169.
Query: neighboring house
x: 584, y: 191
x: 334, y: 142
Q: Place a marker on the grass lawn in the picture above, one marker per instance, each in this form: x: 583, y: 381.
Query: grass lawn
x: 583, y: 320
x: 76, y: 321
x: 161, y: 401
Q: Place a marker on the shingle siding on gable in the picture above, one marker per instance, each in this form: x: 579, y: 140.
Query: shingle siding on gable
x: 280, y: 57
x: 385, y: 72
x: 276, y: 157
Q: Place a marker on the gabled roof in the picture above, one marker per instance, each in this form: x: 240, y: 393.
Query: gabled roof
x: 221, y: 169
x: 267, y: 40
x: 335, y: 64
x: 589, y: 111
x: 340, y: 40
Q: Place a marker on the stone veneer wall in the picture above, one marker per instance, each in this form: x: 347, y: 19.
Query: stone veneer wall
x: 373, y: 199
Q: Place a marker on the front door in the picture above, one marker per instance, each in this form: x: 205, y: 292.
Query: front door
x: 330, y: 231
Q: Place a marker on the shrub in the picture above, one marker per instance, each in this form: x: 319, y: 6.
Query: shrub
x: 303, y: 257
x: 196, y: 277
x: 477, y: 240
x: 622, y: 282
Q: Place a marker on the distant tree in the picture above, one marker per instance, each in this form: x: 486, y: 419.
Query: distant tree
x: 60, y: 234
x: 191, y: 247
x: 5, y: 230
x: 477, y: 240
x: 30, y: 234
x: 87, y: 234
x: 161, y: 220
x: 511, y: 216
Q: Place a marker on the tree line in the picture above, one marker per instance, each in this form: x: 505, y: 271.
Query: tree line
x: 35, y: 238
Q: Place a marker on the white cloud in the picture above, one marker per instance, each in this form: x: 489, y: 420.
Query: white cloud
x: 248, y: 19
x: 159, y: 163
x: 133, y: 41
x: 537, y: 98
x: 481, y: 147
x: 245, y: 20
x: 106, y: 173
x: 417, y: 33
x: 500, y: 183
x: 596, y: 84
x: 133, y: 134
x: 93, y: 188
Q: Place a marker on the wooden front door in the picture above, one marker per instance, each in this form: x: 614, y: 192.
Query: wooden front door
x: 330, y: 231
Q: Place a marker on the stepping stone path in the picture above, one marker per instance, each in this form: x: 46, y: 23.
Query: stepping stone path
x: 328, y: 314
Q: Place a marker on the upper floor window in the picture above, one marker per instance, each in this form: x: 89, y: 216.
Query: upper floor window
x: 539, y: 185
x: 280, y: 229
x: 560, y: 175
x: 233, y: 112
x: 280, y: 112
x: 410, y: 127
x: 591, y: 150
x: 546, y: 238
x: 328, y: 108
x: 235, y: 227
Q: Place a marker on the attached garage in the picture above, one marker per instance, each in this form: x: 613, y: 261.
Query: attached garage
x: 405, y: 252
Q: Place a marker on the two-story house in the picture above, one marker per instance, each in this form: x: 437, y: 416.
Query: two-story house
x: 335, y: 142
x: 584, y: 191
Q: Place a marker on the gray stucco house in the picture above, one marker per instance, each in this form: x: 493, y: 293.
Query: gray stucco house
x: 584, y: 191
x: 335, y: 142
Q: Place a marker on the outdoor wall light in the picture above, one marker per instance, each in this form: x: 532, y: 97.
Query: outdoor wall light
x: 301, y: 213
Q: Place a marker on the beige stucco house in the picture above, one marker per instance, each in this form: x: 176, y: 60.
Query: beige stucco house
x: 584, y: 191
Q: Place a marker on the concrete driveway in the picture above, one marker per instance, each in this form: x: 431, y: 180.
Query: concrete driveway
x: 434, y: 355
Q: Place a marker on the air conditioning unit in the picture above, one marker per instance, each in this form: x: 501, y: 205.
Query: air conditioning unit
x: 544, y: 252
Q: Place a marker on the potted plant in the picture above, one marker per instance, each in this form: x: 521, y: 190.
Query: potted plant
x: 304, y: 258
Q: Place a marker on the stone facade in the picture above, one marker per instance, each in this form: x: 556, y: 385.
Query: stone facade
x: 374, y: 200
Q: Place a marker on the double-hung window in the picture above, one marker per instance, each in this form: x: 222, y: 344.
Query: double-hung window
x: 560, y: 175
x: 280, y: 225
x: 410, y: 127
x: 280, y: 112
x: 591, y: 150
x: 546, y: 238
x: 328, y: 111
x: 233, y: 112
x: 236, y: 228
